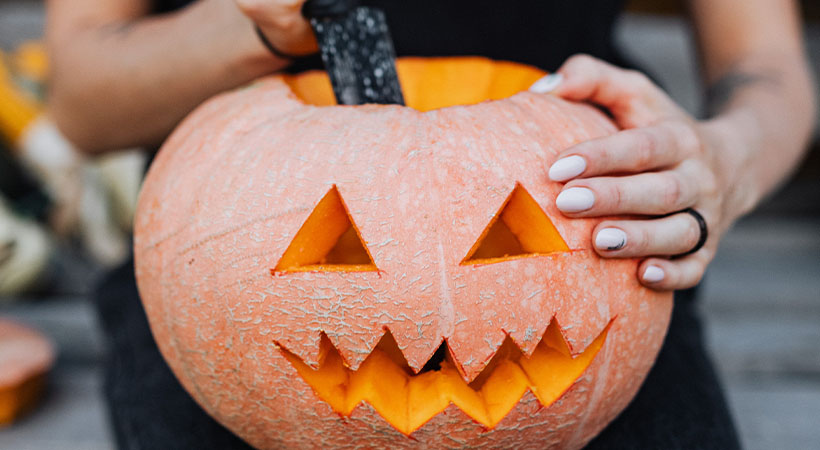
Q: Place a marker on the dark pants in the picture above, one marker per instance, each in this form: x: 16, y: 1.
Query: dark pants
x: 680, y: 406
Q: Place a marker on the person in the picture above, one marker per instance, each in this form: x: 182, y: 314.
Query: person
x: 49, y: 193
x: 125, y: 72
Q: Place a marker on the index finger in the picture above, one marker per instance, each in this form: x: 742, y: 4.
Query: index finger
x: 629, y: 151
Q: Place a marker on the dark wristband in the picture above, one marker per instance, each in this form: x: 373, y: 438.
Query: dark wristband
x: 276, y: 52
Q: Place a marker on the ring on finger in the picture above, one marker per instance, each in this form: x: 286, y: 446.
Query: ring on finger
x: 703, y: 228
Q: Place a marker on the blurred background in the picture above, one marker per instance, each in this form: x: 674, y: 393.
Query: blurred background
x: 65, y: 218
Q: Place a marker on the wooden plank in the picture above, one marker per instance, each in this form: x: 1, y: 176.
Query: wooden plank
x: 753, y: 345
x: 777, y: 414
x: 69, y: 321
x: 761, y: 306
x: 71, y: 417
x: 767, y: 263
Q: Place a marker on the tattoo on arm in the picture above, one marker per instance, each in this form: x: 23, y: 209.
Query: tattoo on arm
x: 118, y: 28
x: 719, y: 93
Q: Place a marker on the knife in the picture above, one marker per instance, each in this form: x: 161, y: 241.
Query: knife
x: 357, y: 51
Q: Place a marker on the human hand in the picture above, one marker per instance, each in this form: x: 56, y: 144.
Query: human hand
x: 282, y: 23
x: 660, y: 163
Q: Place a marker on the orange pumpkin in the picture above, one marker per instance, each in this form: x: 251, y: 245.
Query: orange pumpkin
x: 385, y: 276
x: 26, y: 356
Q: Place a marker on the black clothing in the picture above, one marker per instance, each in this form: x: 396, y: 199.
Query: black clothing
x: 680, y: 405
x: 163, y: 6
x: 541, y: 33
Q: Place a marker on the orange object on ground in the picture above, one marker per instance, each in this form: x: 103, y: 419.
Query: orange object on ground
x: 381, y: 276
x: 25, y: 359
x: 17, y: 110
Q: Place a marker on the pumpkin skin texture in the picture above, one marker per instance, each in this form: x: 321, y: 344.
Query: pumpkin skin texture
x: 256, y: 315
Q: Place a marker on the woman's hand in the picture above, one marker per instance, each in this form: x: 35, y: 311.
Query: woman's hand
x: 282, y: 23
x: 663, y: 161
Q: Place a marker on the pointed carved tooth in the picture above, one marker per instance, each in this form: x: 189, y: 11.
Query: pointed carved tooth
x: 306, y: 349
x: 527, y: 338
x: 536, y: 306
x: 420, y: 315
x: 584, y: 309
x: 407, y: 400
x: 417, y: 342
x: 305, y: 304
x: 498, y: 301
x: 579, y: 327
x: 473, y: 351
x: 355, y: 347
x: 579, y: 336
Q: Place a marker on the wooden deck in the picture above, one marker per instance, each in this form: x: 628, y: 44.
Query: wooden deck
x: 761, y: 300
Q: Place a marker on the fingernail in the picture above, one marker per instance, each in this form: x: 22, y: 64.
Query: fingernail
x: 653, y: 274
x: 610, y: 239
x: 547, y: 83
x: 567, y: 168
x: 575, y: 200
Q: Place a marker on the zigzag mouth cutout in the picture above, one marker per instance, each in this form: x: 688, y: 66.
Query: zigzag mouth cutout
x: 407, y: 400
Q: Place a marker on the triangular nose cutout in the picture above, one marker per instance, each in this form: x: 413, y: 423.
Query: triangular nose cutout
x: 327, y: 242
x: 519, y: 229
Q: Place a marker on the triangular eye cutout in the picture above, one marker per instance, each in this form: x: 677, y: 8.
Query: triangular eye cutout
x: 327, y: 242
x: 519, y: 229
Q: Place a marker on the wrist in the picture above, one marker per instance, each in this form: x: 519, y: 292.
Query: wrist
x: 278, y: 53
x: 733, y: 138
x: 233, y: 40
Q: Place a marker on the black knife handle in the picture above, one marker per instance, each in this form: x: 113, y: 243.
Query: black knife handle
x: 314, y: 9
x: 359, y: 57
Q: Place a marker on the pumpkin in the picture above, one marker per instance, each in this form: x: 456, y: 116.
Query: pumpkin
x: 323, y: 276
x: 26, y: 357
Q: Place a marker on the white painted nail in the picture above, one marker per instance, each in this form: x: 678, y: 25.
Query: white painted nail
x: 653, y: 274
x: 610, y: 239
x: 547, y: 83
x: 567, y: 168
x: 575, y: 200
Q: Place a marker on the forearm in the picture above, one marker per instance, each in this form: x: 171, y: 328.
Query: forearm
x: 764, y: 109
x: 760, y: 94
x: 125, y: 84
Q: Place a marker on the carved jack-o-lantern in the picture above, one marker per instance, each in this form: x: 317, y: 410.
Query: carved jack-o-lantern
x: 332, y: 276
